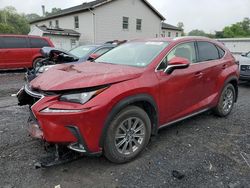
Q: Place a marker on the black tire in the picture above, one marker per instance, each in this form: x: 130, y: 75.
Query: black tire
x: 219, y: 109
x: 130, y: 114
x: 36, y: 61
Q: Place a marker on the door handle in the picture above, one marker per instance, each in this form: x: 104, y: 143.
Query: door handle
x: 198, y: 74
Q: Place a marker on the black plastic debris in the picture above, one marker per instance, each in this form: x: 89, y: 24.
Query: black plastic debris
x: 178, y: 175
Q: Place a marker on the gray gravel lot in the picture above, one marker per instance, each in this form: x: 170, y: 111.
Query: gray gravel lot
x: 209, y: 152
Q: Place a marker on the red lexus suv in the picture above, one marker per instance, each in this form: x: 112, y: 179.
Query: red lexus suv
x: 116, y: 103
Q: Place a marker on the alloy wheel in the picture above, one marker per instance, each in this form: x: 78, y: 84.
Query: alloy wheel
x: 130, y: 135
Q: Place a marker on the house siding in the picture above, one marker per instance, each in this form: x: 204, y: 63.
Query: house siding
x: 173, y: 33
x: 67, y: 22
x: 104, y: 23
x: 109, y: 19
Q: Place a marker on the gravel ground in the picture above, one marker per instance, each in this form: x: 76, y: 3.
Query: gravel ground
x: 205, y: 151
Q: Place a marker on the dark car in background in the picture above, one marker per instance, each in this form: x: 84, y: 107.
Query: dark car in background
x: 21, y: 51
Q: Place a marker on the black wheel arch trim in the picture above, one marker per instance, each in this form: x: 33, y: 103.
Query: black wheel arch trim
x: 126, y: 102
x: 235, y: 79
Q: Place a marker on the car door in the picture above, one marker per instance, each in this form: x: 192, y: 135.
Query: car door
x: 210, y: 58
x: 16, y: 52
x: 182, y: 90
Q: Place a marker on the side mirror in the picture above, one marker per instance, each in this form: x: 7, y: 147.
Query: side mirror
x: 177, y: 63
x: 92, y: 57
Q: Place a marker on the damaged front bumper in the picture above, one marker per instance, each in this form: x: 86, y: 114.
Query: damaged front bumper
x: 55, y: 128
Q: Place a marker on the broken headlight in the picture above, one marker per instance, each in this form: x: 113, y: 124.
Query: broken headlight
x: 80, y: 98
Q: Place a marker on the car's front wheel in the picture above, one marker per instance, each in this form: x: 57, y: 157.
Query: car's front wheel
x: 127, y: 135
x: 226, y: 102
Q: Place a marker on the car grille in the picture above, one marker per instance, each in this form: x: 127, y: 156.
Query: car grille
x: 245, y: 68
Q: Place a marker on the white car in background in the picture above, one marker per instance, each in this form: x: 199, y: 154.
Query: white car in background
x: 244, y: 65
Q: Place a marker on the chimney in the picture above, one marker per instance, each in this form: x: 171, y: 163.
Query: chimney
x: 43, y: 8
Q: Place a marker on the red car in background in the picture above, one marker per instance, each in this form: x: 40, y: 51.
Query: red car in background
x: 115, y: 104
x: 21, y: 51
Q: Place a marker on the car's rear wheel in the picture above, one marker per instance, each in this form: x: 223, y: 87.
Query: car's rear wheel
x: 127, y: 135
x: 226, y: 102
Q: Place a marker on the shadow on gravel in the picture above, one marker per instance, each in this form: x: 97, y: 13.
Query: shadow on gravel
x: 12, y: 71
x: 244, y: 84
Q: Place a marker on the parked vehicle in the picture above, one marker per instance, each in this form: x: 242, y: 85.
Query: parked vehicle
x: 21, y: 51
x: 115, y: 104
x: 244, y: 65
x: 54, y: 56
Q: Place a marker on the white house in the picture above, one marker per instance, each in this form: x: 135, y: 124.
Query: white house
x: 103, y: 20
x: 170, y: 31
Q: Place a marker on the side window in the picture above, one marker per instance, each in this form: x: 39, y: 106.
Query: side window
x: 221, y: 51
x: 207, y: 51
x: 14, y: 42
x: 102, y: 51
x: 186, y: 50
x: 248, y: 55
x: 38, y: 43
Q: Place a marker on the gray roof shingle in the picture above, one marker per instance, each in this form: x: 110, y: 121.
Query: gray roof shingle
x: 59, y: 31
x: 170, y: 27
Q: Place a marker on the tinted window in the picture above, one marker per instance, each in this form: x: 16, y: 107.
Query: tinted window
x: 14, y: 42
x: 38, y: 43
x: 1, y: 43
x: 207, y: 51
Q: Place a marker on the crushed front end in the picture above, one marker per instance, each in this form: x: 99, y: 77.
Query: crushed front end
x: 62, y: 124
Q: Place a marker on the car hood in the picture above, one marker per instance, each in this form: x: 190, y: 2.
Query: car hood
x: 85, y: 75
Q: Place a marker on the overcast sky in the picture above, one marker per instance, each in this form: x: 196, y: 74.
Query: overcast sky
x: 207, y: 15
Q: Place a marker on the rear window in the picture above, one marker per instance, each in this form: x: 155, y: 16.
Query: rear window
x: 13, y: 42
x: 38, y: 43
x: 207, y: 51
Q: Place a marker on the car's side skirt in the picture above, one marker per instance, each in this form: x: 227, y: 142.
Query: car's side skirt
x: 183, y: 118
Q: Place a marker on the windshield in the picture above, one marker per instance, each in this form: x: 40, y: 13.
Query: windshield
x: 81, y: 51
x: 138, y: 54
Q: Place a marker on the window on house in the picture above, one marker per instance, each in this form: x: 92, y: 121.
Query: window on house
x: 177, y: 34
x: 169, y: 34
x: 76, y: 18
x: 50, y: 24
x: 163, y: 34
x: 125, y: 23
x: 138, y: 24
x: 57, y: 24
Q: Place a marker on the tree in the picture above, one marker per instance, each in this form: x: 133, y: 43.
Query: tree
x: 181, y: 26
x: 240, y: 29
x: 53, y: 11
x: 197, y: 32
x: 12, y: 22
x: 32, y: 16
